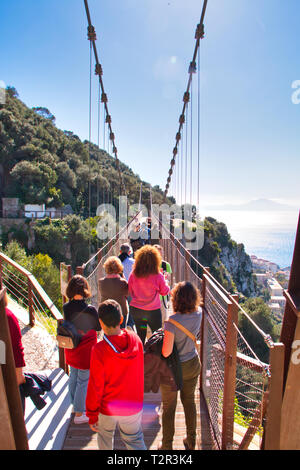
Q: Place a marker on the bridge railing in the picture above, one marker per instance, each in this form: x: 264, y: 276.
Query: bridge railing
x: 93, y: 270
x: 242, y: 393
x: 239, y: 389
x: 23, y: 287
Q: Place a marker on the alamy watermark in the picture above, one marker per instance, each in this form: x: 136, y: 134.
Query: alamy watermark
x: 2, y: 92
x: 182, y: 221
x: 296, y: 93
x: 2, y: 352
x: 295, y: 357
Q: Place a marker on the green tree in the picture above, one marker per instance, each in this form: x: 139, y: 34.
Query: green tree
x: 47, y: 274
x: 32, y: 181
x: 261, y: 314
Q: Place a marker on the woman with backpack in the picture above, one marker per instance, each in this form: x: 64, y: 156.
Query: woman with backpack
x: 182, y: 329
x: 84, y: 318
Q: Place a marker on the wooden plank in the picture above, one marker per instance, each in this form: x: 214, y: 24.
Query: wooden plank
x: 81, y: 437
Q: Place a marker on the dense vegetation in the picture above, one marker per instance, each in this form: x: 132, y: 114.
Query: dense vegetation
x: 227, y: 260
x: 42, y: 164
x: 41, y: 266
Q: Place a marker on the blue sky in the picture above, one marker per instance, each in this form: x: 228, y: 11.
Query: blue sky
x: 250, y: 129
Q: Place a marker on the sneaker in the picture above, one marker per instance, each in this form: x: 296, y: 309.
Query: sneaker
x: 81, y: 419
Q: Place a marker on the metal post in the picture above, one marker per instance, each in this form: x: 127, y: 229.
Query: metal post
x: 275, y: 395
x: 229, y: 375
x: 202, y: 328
x: 30, y: 304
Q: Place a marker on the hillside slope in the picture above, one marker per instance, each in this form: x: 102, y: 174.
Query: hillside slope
x: 42, y: 164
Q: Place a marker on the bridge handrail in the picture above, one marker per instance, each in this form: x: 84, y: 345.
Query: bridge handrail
x: 33, y: 285
x: 267, y: 337
x: 110, y: 243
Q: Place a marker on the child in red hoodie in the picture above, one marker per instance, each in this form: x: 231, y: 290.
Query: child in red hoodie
x: 116, y: 385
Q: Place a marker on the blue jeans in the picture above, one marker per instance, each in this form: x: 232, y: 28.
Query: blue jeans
x: 130, y: 431
x: 78, y: 382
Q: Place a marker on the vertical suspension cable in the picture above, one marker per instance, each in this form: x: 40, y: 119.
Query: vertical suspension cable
x: 177, y: 184
x: 199, y: 34
x: 104, y: 119
x: 99, y: 115
x: 191, y: 150
x: 181, y: 171
x: 198, y: 137
x: 90, y: 138
x: 186, y: 155
x: 174, y: 181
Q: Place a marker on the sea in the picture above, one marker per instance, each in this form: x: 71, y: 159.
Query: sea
x: 266, y: 234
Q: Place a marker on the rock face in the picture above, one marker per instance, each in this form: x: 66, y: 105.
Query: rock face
x: 228, y: 261
x: 239, y: 267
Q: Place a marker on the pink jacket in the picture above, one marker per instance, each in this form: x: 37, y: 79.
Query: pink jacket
x: 145, y: 291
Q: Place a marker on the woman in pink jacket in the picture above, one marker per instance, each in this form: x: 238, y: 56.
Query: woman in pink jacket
x: 146, y: 283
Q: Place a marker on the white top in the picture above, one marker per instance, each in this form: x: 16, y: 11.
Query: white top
x: 127, y: 267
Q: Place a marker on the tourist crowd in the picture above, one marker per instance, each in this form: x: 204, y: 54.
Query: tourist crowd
x: 106, y: 363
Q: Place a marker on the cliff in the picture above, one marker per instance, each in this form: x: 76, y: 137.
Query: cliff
x: 228, y: 261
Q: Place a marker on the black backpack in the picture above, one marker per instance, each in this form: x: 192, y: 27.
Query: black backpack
x: 67, y: 335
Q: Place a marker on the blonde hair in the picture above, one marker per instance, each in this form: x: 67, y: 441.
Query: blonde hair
x: 113, y: 265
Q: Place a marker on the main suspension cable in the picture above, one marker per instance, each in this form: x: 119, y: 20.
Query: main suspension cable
x: 199, y: 34
x: 99, y: 72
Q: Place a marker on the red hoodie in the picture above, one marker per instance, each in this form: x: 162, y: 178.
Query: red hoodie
x: 116, y: 383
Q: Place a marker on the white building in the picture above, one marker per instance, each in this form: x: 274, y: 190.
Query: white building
x: 34, y: 211
x: 275, y: 288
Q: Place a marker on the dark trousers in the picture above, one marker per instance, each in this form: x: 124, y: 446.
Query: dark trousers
x: 128, y: 321
x: 190, y: 374
x: 142, y: 318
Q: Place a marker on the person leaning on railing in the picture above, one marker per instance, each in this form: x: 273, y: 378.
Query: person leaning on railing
x: 186, y: 301
x: 146, y: 284
x: 85, y: 319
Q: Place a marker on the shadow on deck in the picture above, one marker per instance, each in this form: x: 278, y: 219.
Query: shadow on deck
x: 80, y: 437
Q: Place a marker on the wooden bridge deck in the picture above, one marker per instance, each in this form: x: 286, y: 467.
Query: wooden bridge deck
x: 80, y: 437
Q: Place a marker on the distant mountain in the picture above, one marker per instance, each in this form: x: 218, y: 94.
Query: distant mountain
x: 255, y: 205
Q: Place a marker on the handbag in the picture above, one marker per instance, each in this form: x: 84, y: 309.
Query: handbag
x: 67, y: 335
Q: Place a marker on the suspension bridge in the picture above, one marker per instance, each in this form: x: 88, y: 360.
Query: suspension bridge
x: 243, y: 403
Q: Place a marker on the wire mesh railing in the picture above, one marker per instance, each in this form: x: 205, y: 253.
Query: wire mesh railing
x: 237, y: 386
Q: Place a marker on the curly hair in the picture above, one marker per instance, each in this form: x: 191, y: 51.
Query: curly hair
x: 185, y: 298
x: 113, y: 265
x: 78, y: 285
x: 147, y: 261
